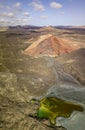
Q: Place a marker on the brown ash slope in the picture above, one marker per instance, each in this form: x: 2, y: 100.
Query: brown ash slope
x: 50, y: 45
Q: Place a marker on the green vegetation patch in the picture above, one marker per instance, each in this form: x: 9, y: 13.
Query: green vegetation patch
x: 51, y: 108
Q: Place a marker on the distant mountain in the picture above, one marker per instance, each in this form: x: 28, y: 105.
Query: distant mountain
x: 18, y: 27
x: 49, y: 45
x: 77, y: 29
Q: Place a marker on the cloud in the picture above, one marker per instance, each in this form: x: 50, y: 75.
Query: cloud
x: 37, y: 6
x: 55, y: 5
x: 43, y: 17
x: 18, y: 4
x: 9, y: 15
x: 2, y: 20
x: 25, y: 21
x: 26, y: 13
x: 15, y: 22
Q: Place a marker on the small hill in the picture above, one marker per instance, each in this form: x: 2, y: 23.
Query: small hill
x: 50, y: 45
x: 48, y: 28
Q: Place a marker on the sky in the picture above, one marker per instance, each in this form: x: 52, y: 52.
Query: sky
x: 42, y: 12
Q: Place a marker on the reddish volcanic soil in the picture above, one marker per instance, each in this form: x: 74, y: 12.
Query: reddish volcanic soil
x: 49, y: 45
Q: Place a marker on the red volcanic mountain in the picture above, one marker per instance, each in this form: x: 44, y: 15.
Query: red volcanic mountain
x: 49, y: 45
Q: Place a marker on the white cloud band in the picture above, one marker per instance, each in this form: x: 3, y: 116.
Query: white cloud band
x: 55, y: 5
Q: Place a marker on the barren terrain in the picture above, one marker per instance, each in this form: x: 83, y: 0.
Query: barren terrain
x: 23, y: 77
